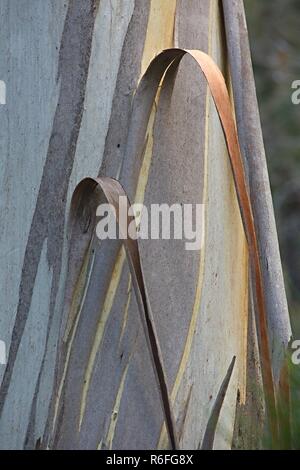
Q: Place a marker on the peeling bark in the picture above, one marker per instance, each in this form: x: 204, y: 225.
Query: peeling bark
x: 78, y: 375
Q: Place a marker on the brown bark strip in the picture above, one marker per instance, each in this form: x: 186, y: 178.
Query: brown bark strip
x: 112, y: 191
x: 253, y: 153
x: 143, y: 102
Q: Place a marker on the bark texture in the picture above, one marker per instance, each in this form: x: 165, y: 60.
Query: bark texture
x: 78, y: 374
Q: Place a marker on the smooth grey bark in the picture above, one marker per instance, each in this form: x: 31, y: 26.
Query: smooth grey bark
x: 78, y: 374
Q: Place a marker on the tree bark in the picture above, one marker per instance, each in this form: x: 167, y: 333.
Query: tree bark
x: 78, y: 374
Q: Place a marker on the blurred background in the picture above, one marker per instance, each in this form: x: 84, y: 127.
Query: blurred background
x: 274, y: 29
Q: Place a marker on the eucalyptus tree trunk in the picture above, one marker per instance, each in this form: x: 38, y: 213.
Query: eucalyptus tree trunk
x: 78, y: 374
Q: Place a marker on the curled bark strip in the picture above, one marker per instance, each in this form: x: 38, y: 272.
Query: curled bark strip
x: 210, y: 431
x: 252, y: 145
x: 141, y: 108
x: 113, y: 190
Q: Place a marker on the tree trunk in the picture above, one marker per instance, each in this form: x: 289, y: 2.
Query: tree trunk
x: 78, y: 374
